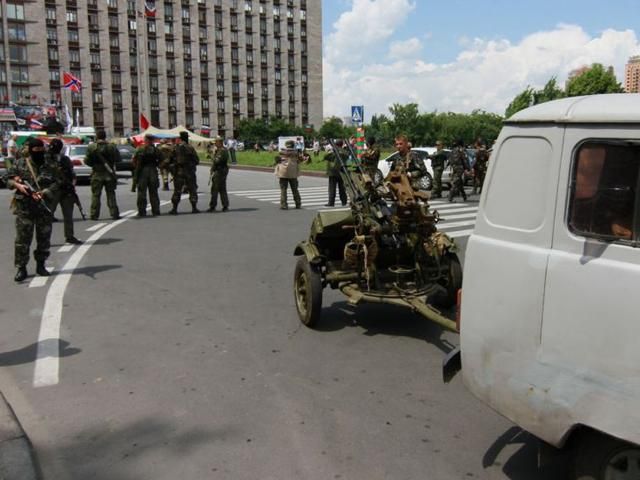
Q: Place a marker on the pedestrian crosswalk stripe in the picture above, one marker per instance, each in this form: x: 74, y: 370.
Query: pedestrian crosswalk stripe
x: 456, y: 218
x: 460, y: 233
x: 38, y: 282
x: 95, y: 227
x: 65, y: 248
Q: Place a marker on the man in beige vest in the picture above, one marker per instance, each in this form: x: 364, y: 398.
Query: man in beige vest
x: 287, y: 171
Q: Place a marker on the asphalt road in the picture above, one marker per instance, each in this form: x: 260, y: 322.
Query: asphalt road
x: 180, y: 355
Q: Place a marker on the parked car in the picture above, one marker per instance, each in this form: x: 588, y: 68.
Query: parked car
x: 77, y: 154
x: 423, y: 152
x: 126, y: 158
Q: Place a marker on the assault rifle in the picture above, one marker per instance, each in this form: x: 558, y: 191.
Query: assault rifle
x: 30, y: 193
x: 71, y: 189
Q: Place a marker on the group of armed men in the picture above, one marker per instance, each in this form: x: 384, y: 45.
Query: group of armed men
x: 288, y: 170
x: 43, y: 177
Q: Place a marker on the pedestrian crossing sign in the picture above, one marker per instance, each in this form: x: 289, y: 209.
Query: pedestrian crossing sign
x: 357, y: 114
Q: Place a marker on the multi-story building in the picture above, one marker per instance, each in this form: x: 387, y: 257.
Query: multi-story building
x: 632, y: 75
x: 199, y: 63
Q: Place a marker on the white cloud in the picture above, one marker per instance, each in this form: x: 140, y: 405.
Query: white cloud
x: 367, y: 24
x: 405, y: 49
x: 487, y: 74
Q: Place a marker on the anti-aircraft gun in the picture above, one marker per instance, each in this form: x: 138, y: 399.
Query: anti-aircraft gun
x: 385, y: 248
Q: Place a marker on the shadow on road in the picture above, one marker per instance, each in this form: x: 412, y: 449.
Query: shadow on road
x: 89, y: 271
x: 106, y: 241
x: 122, y: 452
x: 523, y: 463
x: 383, y: 320
x: 29, y: 353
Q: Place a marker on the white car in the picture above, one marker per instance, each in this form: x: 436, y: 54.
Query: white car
x: 77, y: 153
x: 423, y: 153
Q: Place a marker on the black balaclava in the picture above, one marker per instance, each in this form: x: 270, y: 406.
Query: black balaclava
x: 36, y: 150
x: 55, y: 146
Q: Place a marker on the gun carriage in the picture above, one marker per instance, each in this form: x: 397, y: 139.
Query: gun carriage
x: 385, y: 249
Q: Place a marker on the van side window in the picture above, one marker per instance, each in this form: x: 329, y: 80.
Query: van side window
x: 603, y: 191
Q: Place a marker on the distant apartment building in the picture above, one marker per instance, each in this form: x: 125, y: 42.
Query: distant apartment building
x: 198, y: 63
x: 632, y: 75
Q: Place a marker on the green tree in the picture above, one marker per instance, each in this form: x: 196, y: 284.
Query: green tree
x: 523, y: 100
x: 549, y: 92
x: 333, y: 128
x: 405, y: 120
x: 253, y: 130
x: 593, y: 81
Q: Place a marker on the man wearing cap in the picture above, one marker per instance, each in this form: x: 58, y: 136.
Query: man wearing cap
x: 287, y: 171
x: 102, y: 158
x: 146, y: 159
x: 438, y: 160
x: 219, y: 158
x: 182, y: 164
x: 35, y: 179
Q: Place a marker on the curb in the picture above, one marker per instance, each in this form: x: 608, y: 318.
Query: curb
x: 17, y: 457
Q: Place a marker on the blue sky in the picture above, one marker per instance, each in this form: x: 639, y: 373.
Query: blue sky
x: 457, y: 55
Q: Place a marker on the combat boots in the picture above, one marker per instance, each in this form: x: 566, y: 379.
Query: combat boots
x: 174, y: 210
x: 21, y: 274
x: 194, y: 209
x: 165, y: 186
x: 41, y: 269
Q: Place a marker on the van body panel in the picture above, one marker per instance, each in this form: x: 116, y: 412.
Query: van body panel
x: 591, y: 310
x: 501, y: 325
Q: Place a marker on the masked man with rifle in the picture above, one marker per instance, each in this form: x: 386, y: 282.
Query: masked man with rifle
x: 67, y: 196
x: 147, y: 159
x: 35, y: 180
x: 182, y: 165
x: 102, y: 157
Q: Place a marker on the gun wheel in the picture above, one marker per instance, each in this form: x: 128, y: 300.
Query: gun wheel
x: 307, y: 290
x: 453, y: 280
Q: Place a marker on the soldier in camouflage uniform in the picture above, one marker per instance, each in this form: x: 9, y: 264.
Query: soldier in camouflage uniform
x: 30, y: 206
x: 480, y: 167
x: 219, y: 158
x: 182, y: 165
x: 459, y: 164
x: 66, y: 193
x: 333, y: 172
x: 102, y: 158
x: 409, y: 161
x: 371, y: 157
x: 287, y: 171
x: 438, y: 161
x: 146, y: 159
x: 166, y: 149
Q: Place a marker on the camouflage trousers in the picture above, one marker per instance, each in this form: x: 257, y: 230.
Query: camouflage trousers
x: 109, y: 185
x: 437, y: 181
x: 457, y: 184
x: 25, y: 226
x: 478, y: 180
x: 284, y: 183
x: 219, y: 187
x: 148, y: 181
x: 164, y: 173
x: 180, y: 182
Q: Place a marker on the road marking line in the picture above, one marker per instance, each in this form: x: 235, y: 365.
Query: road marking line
x: 47, y: 364
x: 95, y: 227
x: 273, y: 190
x: 446, y: 226
x: 128, y: 212
x: 457, y: 217
x: 460, y: 233
x: 65, y: 248
x: 38, y: 282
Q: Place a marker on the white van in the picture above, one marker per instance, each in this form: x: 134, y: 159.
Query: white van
x: 550, y: 314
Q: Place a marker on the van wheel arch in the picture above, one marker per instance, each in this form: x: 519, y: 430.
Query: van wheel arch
x: 592, y: 454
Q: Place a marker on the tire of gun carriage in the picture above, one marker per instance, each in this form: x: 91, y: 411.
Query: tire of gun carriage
x: 307, y: 291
